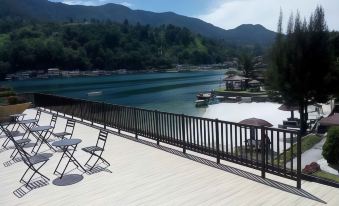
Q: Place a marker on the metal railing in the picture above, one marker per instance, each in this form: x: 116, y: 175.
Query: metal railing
x: 266, y: 149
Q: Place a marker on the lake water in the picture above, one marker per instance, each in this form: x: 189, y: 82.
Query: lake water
x: 171, y: 92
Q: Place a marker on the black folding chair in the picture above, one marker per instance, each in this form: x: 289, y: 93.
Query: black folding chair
x: 97, y: 150
x: 13, y: 134
x: 34, y: 123
x: 68, y: 132
x: 34, y: 163
x: 52, y: 123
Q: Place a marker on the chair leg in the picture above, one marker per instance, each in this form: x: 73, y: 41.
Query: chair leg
x: 99, y: 157
x: 12, y: 155
x: 89, y: 160
x: 22, y: 178
x: 35, y: 171
x: 94, y: 164
x: 5, y: 143
x: 105, y: 161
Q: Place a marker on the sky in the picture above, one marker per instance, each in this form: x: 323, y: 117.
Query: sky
x: 229, y: 14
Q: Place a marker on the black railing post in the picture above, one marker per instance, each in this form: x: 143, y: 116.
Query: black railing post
x: 135, y: 122
x: 298, y: 161
x: 183, y: 133
x: 104, y: 114
x: 263, y: 151
x: 156, y: 127
x: 119, y: 119
x: 81, y: 108
x: 217, y: 140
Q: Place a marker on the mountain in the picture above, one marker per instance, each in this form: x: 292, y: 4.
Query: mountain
x: 44, y: 10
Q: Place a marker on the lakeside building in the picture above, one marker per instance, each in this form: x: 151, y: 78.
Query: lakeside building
x: 54, y: 72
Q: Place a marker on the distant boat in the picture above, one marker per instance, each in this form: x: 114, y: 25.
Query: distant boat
x: 201, y: 103
x: 91, y: 94
x: 204, y: 96
x: 172, y: 71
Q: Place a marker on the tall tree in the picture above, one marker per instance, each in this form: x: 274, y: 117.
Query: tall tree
x: 302, y: 63
x: 246, y: 63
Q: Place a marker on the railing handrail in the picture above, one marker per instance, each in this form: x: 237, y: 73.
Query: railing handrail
x: 163, y: 112
x: 230, y: 141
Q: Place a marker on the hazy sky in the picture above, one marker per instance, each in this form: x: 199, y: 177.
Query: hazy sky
x: 228, y: 14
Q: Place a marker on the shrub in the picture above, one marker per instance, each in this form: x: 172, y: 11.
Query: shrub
x: 7, y: 93
x: 331, y: 146
x: 15, y: 100
x: 311, y: 168
x: 5, y: 89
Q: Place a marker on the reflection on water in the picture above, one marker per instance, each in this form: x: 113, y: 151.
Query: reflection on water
x: 171, y: 92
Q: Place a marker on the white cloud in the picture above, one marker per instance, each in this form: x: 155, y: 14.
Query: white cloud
x: 126, y: 4
x: 95, y: 2
x: 231, y: 13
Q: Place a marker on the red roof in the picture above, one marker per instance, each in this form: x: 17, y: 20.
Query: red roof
x: 332, y: 120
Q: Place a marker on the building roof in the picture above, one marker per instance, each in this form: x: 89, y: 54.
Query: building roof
x: 235, y: 78
x: 332, y: 120
x: 254, y: 81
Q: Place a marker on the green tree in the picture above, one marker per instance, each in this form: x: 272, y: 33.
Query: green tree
x: 301, y: 63
x: 246, y: 63
x: 331, y: 146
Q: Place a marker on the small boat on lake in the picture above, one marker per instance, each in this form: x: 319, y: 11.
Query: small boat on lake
x: 201, y: 103
x: 97, y: 93
x: 204, y: 96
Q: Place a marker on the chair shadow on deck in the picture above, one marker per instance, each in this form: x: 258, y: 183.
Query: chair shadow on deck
x: 33, y: 185
x: 19, y: 159
x: 97, y: 169
x: 229, y: 169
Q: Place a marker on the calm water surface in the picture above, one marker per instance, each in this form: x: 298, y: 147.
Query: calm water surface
x: 171, y: 92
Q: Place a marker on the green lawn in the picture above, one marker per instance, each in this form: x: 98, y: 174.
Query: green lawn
x: 307, y: 143
x: 238, y: 92
x: 327, y: 176
x: 3, y: 101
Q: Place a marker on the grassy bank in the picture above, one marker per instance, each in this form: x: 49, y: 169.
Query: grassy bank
x: 307, y: 143
x: 326, y: 175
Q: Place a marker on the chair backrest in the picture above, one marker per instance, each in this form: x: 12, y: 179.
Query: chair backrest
x: 70, y: 126
x: 101, y: 142
x: 24, y: 155
x: 38, y: 114
x: 53, y: 122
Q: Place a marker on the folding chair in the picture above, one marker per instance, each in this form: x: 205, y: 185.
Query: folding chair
x: 97, y: 150
x: 52, y: 123
x: 16, y: 133
x: 29, y: 123
x: 34, y: 163
x: 68, y: 132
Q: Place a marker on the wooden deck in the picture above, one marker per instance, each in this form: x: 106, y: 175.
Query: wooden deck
x: 142, y: 173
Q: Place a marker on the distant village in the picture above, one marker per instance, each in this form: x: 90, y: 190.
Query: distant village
x: 233, y: 63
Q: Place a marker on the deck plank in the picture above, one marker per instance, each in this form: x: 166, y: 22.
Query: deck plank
x: 144, y: 175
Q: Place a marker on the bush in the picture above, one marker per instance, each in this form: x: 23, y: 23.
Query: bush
x: 331, y: 146
x: 7, y: 93
x: 5, y: 89
x: 15, y: 100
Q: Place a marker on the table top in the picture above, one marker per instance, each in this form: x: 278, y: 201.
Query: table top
x: 18, y: 115
x: 40, y: 128
x: 66, y: 142
x: 28, y: 121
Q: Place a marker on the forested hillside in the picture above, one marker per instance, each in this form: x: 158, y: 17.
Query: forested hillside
x: 46, y: 11
x: 102, y: 45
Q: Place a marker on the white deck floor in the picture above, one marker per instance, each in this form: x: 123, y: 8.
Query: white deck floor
x: 145, y: 175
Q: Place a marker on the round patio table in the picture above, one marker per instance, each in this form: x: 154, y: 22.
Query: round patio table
x: 64, y: 145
